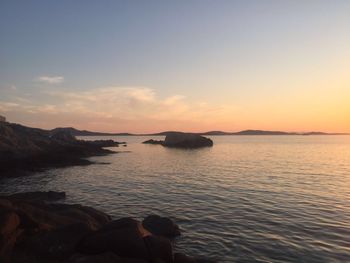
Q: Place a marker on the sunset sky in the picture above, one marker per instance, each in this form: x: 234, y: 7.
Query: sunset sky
x: 150, y: 66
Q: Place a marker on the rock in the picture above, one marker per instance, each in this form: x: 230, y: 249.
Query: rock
x: 186, y: 140
x: 151, y: 141
x: 128, y: 239
x: 39, y: 196
x: 122, y: 237
x: 107, y: 257
x: 105, y: 143
x: 38, y: 216
x: 24, y: 150
x: 161, y: 226
x: 56, y: 244
x: 9, y: 222
x: 159, y: 249
x: 64, y: 136
x: 182, y: 258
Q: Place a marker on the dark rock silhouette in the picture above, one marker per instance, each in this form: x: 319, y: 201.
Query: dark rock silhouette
x: 182, y: 140
x: 33, y: 230
x: 186, y: 140
x: 161, y: 226
x: 151, y: 141
x: 38, y: 196
x: 29, y: 149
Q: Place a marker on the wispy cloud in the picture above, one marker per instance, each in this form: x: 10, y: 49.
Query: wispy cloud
x: 114, y: 108
x: 50, y: 79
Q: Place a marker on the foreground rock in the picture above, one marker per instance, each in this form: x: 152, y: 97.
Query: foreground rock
x: 186, y: 140
x: 41, y: 231
x: 24, y: 149
x: 161, y: 226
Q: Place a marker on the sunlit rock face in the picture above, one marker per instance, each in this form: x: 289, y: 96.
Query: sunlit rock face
x: 186, y: 140
x: 2, y: 119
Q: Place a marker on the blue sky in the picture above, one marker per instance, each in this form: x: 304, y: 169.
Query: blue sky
x: 236, y: 62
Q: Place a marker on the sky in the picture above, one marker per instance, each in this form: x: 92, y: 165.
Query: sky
x: 187, y: 65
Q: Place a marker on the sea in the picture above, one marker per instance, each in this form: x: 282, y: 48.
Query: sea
x: 246, y: 199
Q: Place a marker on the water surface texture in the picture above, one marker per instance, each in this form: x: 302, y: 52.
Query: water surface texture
x: 247, y: 199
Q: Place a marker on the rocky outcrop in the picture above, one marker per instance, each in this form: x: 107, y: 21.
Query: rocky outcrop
x: 2, y: 119
x: 28, y: 149
x: 186, y: 140
x: 151, y: 141
x: 41, y: 231
x: 182, y: 140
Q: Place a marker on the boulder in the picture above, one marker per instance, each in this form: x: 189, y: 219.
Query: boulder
x: 58, y: 244
x: 161, y: 226
x: 186, y: 140
x: 159, y: 249
x: 9, y: 222
x: 122, y: 237
x: 128, y: 239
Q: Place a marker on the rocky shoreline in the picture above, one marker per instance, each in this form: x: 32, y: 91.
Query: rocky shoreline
x: 24, y: 150
x: 34, y: 227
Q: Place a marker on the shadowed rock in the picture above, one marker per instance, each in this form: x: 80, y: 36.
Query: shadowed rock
x: 33, y: 230
x: 161, y: 226
x: 9, y: 222
x: 151, y: 141
x: 182, y: 258
x: 38, y: 196
x: 186, y: 140
x: 24, y: 149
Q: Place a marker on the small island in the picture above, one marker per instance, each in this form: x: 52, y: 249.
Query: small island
x: 182, y: 140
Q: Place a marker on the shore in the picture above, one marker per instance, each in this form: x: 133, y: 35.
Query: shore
x: 25, y: 150
x: 35, y: 227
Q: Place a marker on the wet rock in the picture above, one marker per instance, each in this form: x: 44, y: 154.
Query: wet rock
x: 161, y: 226
x: 186, y: 140
x: 39, y: 196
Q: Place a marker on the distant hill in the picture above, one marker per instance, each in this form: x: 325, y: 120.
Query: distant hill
x: 260, y: 132
x: 76, y: 132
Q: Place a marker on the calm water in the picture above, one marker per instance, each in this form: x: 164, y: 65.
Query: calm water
x: 249, y: 198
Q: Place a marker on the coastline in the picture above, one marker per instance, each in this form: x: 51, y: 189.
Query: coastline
x: 25, y: 150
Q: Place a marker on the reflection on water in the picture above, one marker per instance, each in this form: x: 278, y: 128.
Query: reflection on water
x: 249, y: 198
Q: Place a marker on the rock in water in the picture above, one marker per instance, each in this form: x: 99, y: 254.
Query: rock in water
x: 161, y: 226
x: 151, y: 141
x: 186, y: 140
